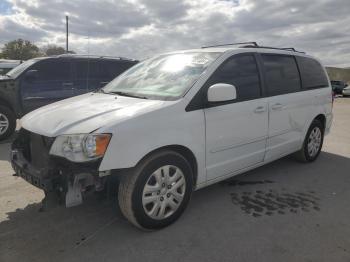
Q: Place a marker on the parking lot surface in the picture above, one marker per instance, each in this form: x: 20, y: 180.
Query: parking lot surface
x: 284, y: 211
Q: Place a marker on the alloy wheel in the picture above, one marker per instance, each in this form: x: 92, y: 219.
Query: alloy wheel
x: 163, y: 192
x: 4, y: 124
x: 314, y: 141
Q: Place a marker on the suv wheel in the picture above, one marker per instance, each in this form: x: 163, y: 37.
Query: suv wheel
x: 313, y: 142
x: 157, y: 192
x: 7, y: 122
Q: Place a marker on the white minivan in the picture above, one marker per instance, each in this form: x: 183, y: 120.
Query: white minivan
x: 176, y: 123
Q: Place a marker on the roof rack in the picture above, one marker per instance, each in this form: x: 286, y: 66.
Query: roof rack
x: 255, y: 45
x: 243, y: 43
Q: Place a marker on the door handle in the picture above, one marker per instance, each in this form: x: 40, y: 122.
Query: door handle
x: 260, y: 109
x: 67, y: 84
x: 277, y: 106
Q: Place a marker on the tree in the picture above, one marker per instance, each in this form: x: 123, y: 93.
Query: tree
x: 20, y: 50
x: 54, y: 50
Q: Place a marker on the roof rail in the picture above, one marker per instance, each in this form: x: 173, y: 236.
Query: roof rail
x: 243, y: 43
x: 292, y: 49
x: 255, y: 45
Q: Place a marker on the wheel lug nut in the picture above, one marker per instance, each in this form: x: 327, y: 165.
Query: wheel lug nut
x: 158, y: 193
x: 168, y: 195
x: 163, y: 185
x: 162, y: 198
x: 169, y: 186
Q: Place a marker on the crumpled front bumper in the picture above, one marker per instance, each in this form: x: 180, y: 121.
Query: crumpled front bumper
x: 31, y: 160
x: 40, y: 178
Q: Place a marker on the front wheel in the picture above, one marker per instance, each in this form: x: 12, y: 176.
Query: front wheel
x: 7, y: 122
x: 157, y: 192
x: 313, y: 142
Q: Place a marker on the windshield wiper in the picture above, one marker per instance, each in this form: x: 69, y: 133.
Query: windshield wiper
x: 120, y: 93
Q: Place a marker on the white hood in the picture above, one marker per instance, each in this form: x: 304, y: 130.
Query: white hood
x: 85, y: 113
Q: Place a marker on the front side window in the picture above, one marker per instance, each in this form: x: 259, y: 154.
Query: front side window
x: 242, y: 72
x: 165, y: 77
x: 282, y: 75
x: 312, y: 73
x: 53, y: 70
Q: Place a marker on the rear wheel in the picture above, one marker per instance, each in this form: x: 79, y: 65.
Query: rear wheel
x: 7, y: 122
x: 313, y: 142
x: 157, y: 192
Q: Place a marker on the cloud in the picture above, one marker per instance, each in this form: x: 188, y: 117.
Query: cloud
x: 141, y: 28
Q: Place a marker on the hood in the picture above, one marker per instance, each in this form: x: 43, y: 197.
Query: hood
x: 5, y: 78
x: 85, y: 113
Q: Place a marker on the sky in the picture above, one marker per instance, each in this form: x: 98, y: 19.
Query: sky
x: 142, y: 28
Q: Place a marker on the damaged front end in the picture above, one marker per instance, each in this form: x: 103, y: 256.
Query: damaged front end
x: 63, y: 181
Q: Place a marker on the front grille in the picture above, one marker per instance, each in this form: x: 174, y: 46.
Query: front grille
x: 35, y: 147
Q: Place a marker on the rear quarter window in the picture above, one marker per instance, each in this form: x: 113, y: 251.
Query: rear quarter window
x: 312, y: 73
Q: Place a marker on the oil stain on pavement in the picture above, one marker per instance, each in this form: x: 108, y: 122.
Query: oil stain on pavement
x: 271, y: 202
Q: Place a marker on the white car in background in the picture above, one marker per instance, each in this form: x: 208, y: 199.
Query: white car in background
x: 346, y: 91
x: 7, y: 65
x: 176, y: 123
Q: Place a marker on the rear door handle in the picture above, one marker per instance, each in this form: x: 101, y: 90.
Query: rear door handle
x: 277, y: 106
x: 67, y: 84
x: 260, y: 109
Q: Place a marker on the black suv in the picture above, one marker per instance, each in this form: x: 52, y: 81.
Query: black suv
x: 41, y: 81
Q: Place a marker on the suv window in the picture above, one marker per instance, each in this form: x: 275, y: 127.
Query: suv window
x: 282, y: 75
x: 53, y: 70
x: 312, y: 73
x: 242, y: 72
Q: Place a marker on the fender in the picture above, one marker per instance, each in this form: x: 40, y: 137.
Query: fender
x: 134, y: 139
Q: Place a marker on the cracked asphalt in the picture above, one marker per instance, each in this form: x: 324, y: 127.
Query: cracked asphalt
x: 284, y: 211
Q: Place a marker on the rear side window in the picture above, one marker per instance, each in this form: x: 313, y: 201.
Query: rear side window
x: 53, y: 70
x: 312, y: 73
x: 282, y: 75
x: 242, y: 72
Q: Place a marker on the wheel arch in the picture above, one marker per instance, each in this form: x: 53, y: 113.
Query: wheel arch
x: 182, y: 150
x: 3, y: 102
x: 322, y: 119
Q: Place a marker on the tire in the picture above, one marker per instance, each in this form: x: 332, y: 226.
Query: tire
x: 315, y: 135
x: 8, y: 118
x: 133, y: 198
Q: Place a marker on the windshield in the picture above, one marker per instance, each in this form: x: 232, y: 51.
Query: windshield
x: 20, y: 68
x: 165, y: 77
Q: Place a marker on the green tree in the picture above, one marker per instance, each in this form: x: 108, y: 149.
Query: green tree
x: 20, y: 50
x: 54, y: 50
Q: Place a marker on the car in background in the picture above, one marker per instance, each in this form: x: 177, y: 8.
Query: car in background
x: 346, y: 91
x: 41, y: 81
x: 7, y: 65
x: 338, y: 86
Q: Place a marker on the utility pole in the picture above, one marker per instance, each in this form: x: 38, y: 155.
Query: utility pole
x: 67, y: 34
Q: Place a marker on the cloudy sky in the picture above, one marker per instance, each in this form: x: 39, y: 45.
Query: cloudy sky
x: 141, y: 28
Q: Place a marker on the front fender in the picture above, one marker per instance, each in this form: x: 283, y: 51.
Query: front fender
x: 135, y: 138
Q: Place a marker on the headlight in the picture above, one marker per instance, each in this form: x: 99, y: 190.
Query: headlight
x: 82, y: 147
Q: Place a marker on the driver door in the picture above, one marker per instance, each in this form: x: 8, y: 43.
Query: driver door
x: 53, y: 82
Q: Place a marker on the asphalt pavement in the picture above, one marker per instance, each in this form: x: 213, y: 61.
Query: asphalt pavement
x: 284, y: 211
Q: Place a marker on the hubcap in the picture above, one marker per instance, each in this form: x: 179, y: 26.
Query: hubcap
x: 4, y: 124
x: 164, y: 192
x: 314, y: 142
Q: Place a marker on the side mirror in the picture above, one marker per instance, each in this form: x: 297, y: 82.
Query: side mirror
x: 31, y: 75
x: 221, y: 92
